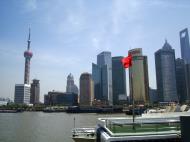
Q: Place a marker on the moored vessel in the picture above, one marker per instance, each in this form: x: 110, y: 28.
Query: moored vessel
x: 84, y: 135
x: 124, y: 129
x: 10, y: 111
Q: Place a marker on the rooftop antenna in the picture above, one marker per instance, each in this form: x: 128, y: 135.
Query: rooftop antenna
x: 29, y: 40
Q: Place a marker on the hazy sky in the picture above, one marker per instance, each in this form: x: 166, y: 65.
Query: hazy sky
x: 67, y: 35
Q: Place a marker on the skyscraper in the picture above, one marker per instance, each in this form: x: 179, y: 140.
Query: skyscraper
x: 35, y: 92
x: 71, y: 87
x: 185, y: 47
x: 187, y: 76
x: 138, y: 77
x: 166, y: 73
x: 28, y: 55
x: 22, y: 94
x: 181, y: 80
x: 153, y: 95
x: 86, y: 89
x: 22, y: 91
x: 118, y: 80
x: 102, y: 75
x: 185, y: 54
x: 96, y: 76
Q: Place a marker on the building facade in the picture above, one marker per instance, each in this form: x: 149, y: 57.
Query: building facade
x: 35, y: 92
x: 166, y: 73
x: 61, y: 98
x: 185, y: 47
x: 187, y: 76
x: 96, y: 76
x: 22, y: 94
x: 102, y: 75
x: 86, y: 90
x: 153, y: 96
x: 71, y: 87
x: 138, y: 77
x: 181, y: 80
x: 185, y: 54
x: 118, y: 80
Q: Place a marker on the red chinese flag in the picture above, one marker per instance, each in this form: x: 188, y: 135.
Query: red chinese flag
x: 127, y: 61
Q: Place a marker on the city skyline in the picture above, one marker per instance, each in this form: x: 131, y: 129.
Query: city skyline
x: 62, y: 35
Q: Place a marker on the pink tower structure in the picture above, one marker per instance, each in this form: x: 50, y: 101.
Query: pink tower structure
x: 28, y: 55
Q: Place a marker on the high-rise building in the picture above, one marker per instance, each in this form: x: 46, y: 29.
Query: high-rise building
x: 187, y: 76
x: 22, y: 94
x: 185, y: 54
x: 166, y: 73
x: 153, y: 95
x: 28, y: 55
x: 71, y: 87
x: 86, y: 90
x: 96, y: 76
x: 35, y: 92
x: 138, y: 77
x: 118, y: 80
x: 102, y: 75
x: 181, y: 80
x: 185, y: 47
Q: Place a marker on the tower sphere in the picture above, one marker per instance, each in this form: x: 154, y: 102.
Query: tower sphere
x: 28, y: 54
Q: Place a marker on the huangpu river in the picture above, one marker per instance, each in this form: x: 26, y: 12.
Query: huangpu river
x: 44, y: 127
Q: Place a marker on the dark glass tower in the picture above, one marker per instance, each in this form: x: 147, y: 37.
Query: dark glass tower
x: 96, y: 76
x: 181, y: 80
x: 118, y: 79
x: 187, y: 73
x: 102, y: 77
x: 185, y: 47
x: 166, y: 73
x: 185, y: 54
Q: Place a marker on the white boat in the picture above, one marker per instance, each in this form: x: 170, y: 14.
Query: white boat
x: 84, y: 134
x: 164, y: 113
x: 123, y: 129
x: 155, y: 127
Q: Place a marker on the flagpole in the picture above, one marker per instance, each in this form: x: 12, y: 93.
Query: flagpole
x: 127, y: 63
x: 133, y: 100
x: 132, y: 94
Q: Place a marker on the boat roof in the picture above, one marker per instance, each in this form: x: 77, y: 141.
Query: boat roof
x: 139, y: 120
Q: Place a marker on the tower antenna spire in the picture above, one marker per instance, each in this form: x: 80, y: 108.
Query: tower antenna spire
x: 29, y: 40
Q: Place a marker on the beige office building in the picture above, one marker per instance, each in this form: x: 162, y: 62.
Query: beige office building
x: 138, y: 77
x: 86, y: 90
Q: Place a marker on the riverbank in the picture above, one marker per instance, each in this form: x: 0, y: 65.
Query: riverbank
x: 67, y: 109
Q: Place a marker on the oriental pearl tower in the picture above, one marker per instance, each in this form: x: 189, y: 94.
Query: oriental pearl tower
x: 28, y: 55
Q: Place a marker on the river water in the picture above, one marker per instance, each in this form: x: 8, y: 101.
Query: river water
x: 44, y: 127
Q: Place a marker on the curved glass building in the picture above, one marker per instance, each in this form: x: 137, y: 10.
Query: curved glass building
x: 166, y: 73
